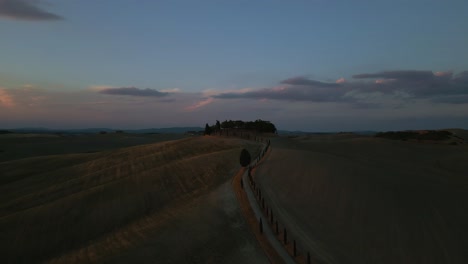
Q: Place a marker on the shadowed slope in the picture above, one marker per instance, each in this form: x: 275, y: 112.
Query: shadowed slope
x: 350, y: 199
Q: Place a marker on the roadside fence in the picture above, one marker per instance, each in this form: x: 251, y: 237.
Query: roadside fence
x: 300, y: 255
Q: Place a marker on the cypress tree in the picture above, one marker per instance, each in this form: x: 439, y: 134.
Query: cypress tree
x: 244, y: 158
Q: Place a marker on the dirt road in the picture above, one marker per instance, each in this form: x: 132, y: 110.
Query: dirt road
x: 273, y: 249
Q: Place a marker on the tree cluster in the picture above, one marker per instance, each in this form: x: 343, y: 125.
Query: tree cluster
x: 261, y: 126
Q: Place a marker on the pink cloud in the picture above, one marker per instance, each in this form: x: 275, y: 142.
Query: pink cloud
x: 172, y: 90
x: 443, y: 74
x: 6, y: 99
x: 384, y: 81
x: 208, y: 97
x: 98, y: 88
x: 201, y: 103
x: 341, y: 80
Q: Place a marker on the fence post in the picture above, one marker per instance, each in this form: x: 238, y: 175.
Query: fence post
x: 285, y: 236
x: 308, y: 257
x: 261, y: 226
x: 295, y: 249
x: 242, y: 183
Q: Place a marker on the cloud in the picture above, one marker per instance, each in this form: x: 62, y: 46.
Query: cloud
x: 133, y: 91
x: 6, y: 100
x: 447, y: 74
x: 399, y: 75
x: 452, y: 99
x: 207, y: 96
x: 384, y: 81
x: 300, y: 93
x: 341, y: 80
x: 214, y: 92
x: 308, y: 82
x: 172, y: 90
x: 25, y: 10
x: 461, y: 78
x: 98, y: 88
x: 420, y: 84
x: 293, y: 89
x: 199, y: 104
x: 390, y: 86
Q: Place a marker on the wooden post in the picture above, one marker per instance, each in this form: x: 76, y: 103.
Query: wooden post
x: 295, y: 249
x: 308, y: 257
x: 261, y: 226
x: 242, y: 184
x: 285, y: 236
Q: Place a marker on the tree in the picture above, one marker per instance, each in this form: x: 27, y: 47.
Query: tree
x: 239, y: 124
x: 227, y: 124
x: 244, y: 158
x: 207, y: 129
x: 218, y: 126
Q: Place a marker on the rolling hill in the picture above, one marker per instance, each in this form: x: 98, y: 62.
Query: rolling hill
x: 162, y: 202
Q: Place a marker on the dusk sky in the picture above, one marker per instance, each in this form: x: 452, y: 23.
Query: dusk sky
x: 315, y: 65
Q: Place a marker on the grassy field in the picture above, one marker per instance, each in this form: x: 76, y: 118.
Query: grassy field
x: 166, y: 202
x: 352, y: 199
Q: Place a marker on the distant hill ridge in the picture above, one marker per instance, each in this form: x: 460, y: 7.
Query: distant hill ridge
x: 452, y: 136
x: 41, y: 130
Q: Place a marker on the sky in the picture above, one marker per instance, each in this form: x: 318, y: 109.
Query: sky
x: 311, y: 65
